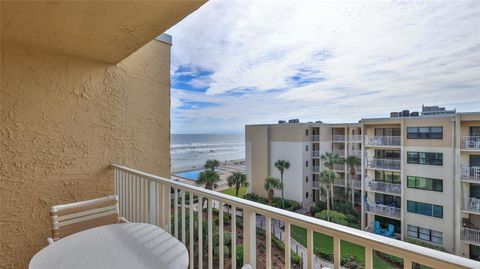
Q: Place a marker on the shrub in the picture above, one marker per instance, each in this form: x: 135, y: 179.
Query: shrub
x: 239, y: 257
x: 226, y: 219
x: 295, y: 259
x: 322, y: 205
x: 335, y: 217
x: 392, y: 259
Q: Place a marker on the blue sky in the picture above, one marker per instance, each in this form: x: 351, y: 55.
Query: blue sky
x: 247, y: 62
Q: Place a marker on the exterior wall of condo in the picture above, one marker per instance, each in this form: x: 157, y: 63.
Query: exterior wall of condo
x: 384, y: 149
x: 257, y: 151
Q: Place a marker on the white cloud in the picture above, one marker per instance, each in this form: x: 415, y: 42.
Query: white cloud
x: 364, y: 58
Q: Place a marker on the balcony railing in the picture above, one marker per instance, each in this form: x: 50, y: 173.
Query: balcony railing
x: 470, y: 142
x: 357, y: 184
x: 471, y: 204
x: 148, y: 198
x: 470, y: 235
x: 315, y: 137
x: 383, y: 140
x: 355, y: 138
x: 355, y: 152
x: 339, y: 182
x: 316, y: 184
x: 338, y: 138
x: 315, y: 153
x: 339, y: 152
x: 315, y: 168
x: 339, y: 167
x: 385, y: 210
x: 384, y: 164
x: 470, y: 173
x: 385, y: 187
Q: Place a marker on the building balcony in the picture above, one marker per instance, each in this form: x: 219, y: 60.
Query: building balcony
x: 340, y: 182
x: 315, y: 153
x: 389, y: 211
x: 390, y: 188
x: 383, y: 141
x: 166, y: 203
x: 387, y: 164
x: 357, y: 184
x: 471, y: 205
x: 315, y: 137
x: 355, y: 152
x: 471, y: 236
x: 470, y: 143
x: 355, y: 138
x: 316, y: 184
x: 339, y: 167
x: 339, y: 152
x: 338, y: 138
x: 316, y: 168
x: 470, y: 174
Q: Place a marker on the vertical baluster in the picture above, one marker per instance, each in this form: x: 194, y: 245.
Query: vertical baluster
x: 210, y: 233
x: 135, y: 197
x: 183, y: 218
x: 124, y: 194
x: 233, y: 221
x: 336, y: 253
x: 368, y: 257
x: 268, y: 235
x: 220, y: 235
x: 249, y: 237
x: 287, y: 246
x: 147, y: 214
x: 131, y: 201
x: 168, y: 208
x: 115, y: 182
x: 309, y: 248
x: 200, y: 233
x: 175, y: 212
x: 407, y: 263
x: 192, y: 255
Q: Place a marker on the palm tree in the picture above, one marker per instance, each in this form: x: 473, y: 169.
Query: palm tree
x: 327, y: 177
x: 282, y: 165
x: 208, y: 178
x: 211, y: 164
x: 352, y: 162
x: 271, y: 184
x: 237, y: 179
x: 329, y: 160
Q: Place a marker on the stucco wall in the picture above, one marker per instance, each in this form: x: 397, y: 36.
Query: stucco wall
x: 64, y: 120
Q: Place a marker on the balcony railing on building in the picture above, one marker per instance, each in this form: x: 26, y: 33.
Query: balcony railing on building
x: 355, y: 152
x: 357, y: 184
x: 151, y: 199
x: 470, y: 142
x: 382, y: 209
x: 355, y: 138
x: 339, y: 167
x: 315, y: 168
x: 316, y: 184
x: 388, y: 164
x: 471, y: 204
x: 470, y: 235
x: 339, y: 152
x: 338, y: 138
x: 339, y: 182
x: 315, y: 137
x: 383, y: 140
x: 470, y: 173
x: 379, y: 186
x: 315, y: 153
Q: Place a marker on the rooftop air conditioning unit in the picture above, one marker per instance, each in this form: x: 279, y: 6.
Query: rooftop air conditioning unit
x: 393, y: 114
x: 281, y: 122
x: 294, y: 121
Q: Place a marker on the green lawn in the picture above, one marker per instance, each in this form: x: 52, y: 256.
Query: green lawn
x: 321, y: 241
x: 231, y: 191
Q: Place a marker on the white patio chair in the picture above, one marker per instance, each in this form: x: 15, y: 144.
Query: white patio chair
x: 75, y: 217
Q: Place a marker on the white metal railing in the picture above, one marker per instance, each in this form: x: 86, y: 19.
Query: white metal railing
x: 152, y: 199
x: 383, y: 140
x: 357, y: 184
x: 385, y: 210
x: 470, y: 142
x: 338, y: 138
x: 385, y: 187
x: 470, y: 235
x: 339, y: 152
x: 384, y: 164
x: 339, y: 167
x: 315, y: 137
x: 355, y: 138
x: 471, y: 204
x: 470, y: 173
x: 316, y: 184
x: 355, y: 152
x: 339, y: 182
x: 315, y: 168
x: 316, y: 153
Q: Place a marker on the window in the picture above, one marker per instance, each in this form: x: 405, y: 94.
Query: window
x: 425, y: 209
x: 306, y: 195
x: 306, y: 164
x: 425, y: 132
x: 387, y: 176
x: 387, y: 131
x: 388, y: 199
x: 306, y: 147
x: 425, y: 234
x: 422, y: 183
x: 306, y: 179
x: 427, y: 158
x: 306, y: 132
x: 387, y: 154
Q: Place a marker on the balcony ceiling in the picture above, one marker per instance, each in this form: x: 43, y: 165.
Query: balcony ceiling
x: 102, y: 30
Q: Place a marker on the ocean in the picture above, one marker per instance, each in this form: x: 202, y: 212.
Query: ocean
x: 195, y: 149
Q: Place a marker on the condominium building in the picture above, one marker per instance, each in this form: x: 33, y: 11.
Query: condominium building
x: 419, y: 172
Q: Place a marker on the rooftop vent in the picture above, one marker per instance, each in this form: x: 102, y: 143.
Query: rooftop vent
x: 393, y: 114
x: 294, y: 121
x: 435, y: 110
x: 281, y: 122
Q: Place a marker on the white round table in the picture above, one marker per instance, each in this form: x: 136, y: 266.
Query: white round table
x: 123, y: 245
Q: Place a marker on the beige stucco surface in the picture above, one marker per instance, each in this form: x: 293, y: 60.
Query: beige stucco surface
x: 64, y: 120
x: 258, y: 146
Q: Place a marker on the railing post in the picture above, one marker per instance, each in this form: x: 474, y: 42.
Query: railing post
x: 368, y: 258
x: 151, y: 206
x: 287, y: 245
x: 309, y: 248
x: 336, y: 253
x: 249, y: 238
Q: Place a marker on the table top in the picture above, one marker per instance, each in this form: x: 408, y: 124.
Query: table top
x: 123, y: 245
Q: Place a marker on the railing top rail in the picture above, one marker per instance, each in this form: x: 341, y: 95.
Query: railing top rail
x: 417, y: 253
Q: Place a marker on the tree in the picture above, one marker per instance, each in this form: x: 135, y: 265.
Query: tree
x: 282, y: 165
x: 271, y: 184
x: 327, y: 177
x: 211, y: 164
x: 209, y: 179
x: 329, y: 160
x: 237, y: 179
x: 352, y: 162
